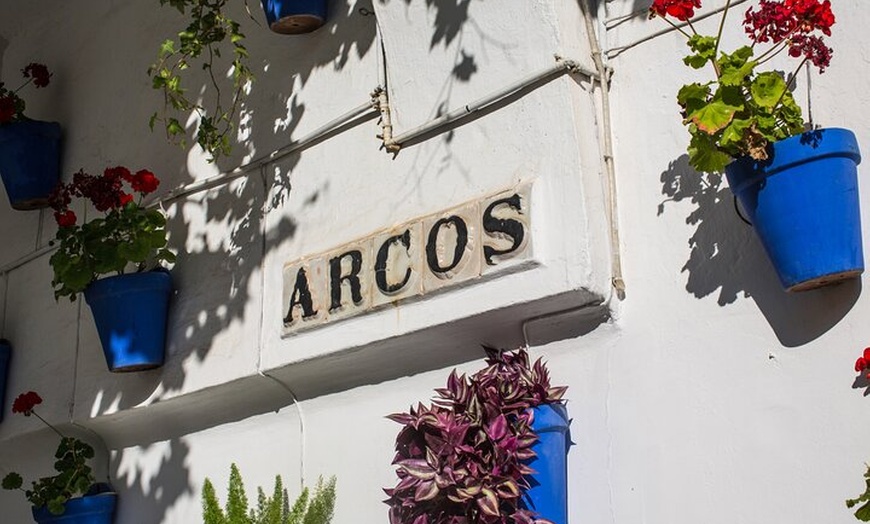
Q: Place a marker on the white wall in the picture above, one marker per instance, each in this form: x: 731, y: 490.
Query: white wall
x: 706, y: 394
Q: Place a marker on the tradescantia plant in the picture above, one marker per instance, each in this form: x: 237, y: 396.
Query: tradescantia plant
x: 463, y: 458
x: 744, y: 109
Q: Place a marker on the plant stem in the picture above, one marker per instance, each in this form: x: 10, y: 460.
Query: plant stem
x: 721, y: 27
x: 34, y: 413
x: 719, y: 39
x: 790, y: 82
x: 678, y: 28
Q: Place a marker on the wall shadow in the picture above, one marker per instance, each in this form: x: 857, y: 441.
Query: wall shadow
x: 146, y: 499
x: 727, y: 259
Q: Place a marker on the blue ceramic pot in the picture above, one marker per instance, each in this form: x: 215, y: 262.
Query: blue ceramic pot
x: 94, y: 509
x: 292, y: 17
x: 5, y: 355
x: 548, y: 495
x: 803, y: 204
x: 29, y: 162
x: 130, y: 313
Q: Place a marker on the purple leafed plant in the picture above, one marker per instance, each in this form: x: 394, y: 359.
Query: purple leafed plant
x: 463, y: 459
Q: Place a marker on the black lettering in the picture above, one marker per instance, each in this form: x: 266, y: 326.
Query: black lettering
x: 512, y: 228
x: 336, y: 278
x: 432, y: 244
x: 301, y: 296
x: 381, y: 263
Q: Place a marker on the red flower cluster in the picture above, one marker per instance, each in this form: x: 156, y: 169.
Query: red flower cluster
x: 38, y: 72
x: 105, y: 192
x: 11, y: 105
x: 7, y: 107
x: 26, y: 402
x: 863, y: 362
x: 679, y: 9
x: 793, y: 20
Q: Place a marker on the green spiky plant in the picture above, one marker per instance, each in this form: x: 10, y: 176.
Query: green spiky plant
x: 307, y: 509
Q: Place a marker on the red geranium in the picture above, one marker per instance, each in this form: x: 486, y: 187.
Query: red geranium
x: 679, y: 9
x: 744, y: 108
x: 25, y: 403
x: 127, y: 233
x: 145, y: 182
x: 11, y: 105
x: 65, y: 218
x: 7, y: 108
x: 38, y: 72
x: 863, y: 362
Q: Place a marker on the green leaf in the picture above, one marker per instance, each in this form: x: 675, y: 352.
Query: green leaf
x: 735, y: 75
x: 704, y: 156
x: 767, y: 89
x: 56, y: 505
x: 734, y: 133
x: 704, y: 48
x: 692, y: 97
x: 12, y: 481
x: 713, y: 116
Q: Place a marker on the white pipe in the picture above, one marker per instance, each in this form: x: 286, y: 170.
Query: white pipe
x: 610, y: 24
x: 609, y: 167
x: 223, y: 178
x: 560, y: 67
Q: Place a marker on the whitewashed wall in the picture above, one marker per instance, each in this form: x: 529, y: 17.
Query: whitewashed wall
x: 706, y: 394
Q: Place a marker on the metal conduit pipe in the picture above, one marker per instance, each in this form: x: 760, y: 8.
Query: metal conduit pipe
x: 611, y: 24
x: 607, y: 153
x: 293, y: 147
x: 223, y: 178
x: 394, y: 143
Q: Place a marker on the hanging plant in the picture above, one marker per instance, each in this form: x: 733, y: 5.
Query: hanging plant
x: 466, y: 457
x: 200, y: 43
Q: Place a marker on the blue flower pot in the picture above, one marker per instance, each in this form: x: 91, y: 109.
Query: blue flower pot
x: 130, y: 313
x: 548, y: 495
x: 293, y: 17
x: 29, y: 162
x: 5, y: 355
x: 803, y: 203
x: 94, y: 509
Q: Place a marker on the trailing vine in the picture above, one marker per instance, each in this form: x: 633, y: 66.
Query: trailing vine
x: 201, y: 42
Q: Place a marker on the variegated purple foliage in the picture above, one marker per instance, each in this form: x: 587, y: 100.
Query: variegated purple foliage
x: 462, y: 460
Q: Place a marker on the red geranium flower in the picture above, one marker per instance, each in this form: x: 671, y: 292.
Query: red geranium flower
x: 38, y: 72
x: 26, y: 402
x: 679, y: 9
x: 144, y: 182
x: 7, y: 109
x: 124, y: 199
x: 65, y: 218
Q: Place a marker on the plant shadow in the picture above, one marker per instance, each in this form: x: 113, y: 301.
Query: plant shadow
x: 727, y: 259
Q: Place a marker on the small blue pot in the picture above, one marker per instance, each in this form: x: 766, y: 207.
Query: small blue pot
x: 5, y: 355
x: 29, y: 162
x: 94, y: 509
x: 293, y: 17
x: 130, y: 313
x: 548, y: 495
x: 803, y: 203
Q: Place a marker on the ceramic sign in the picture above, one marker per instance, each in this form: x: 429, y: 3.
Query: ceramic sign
x: 425, y: 255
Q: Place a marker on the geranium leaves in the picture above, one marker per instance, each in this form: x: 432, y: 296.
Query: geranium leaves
x: 704, y: 48
x: 740, y: 113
